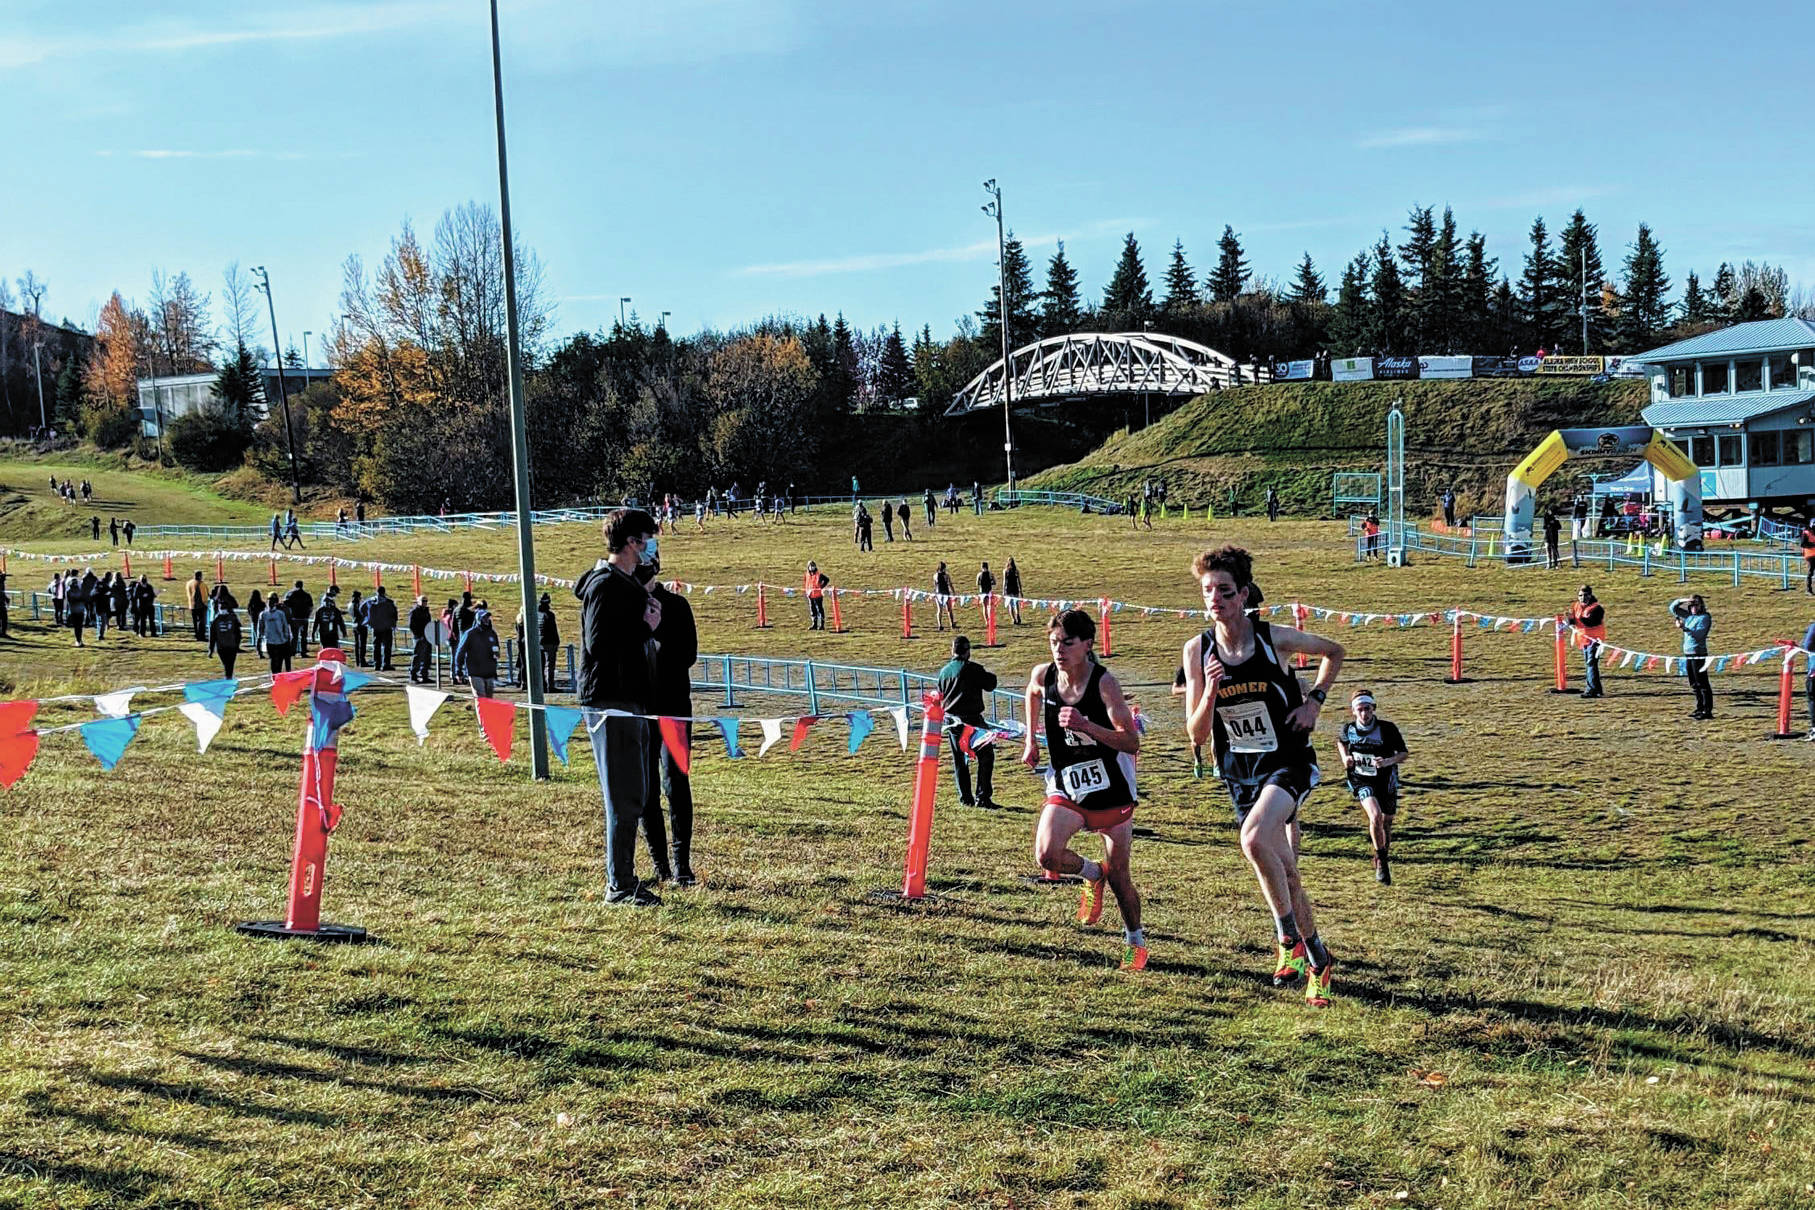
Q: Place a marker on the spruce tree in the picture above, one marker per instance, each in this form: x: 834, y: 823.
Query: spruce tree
x: 842, y: 381
x: 1230, y: 277
x: 1695, y: 303
x: 1726, y: 294
x: 1644, y: 311
x: 1061, y: 309
x: 1540, y: 301
x: 1352, y: 315
x: 1442, y: 302
x: 1475, y: 326
x: 926, y: 365
x: 1022, y: 322
x: 1387, y: 327
x: 1753, y: 305
x: 895, y: 376
x: 1503, y: 322
x: 1415, y: 257
x: 1181, y: 285
x: 69, y: 393
x: 1128, y: 300
x: 1308, y: 287
x: 239, y: 387
x: 1578, y: 245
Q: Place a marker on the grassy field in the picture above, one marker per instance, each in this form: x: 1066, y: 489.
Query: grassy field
x: 1585, y: 988
x: 29, y: 510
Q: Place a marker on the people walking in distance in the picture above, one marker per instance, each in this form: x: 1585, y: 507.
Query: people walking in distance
x: 1011, y: 588
x: 904, y: 514
x: 932, y: 511
x: 228, y: 638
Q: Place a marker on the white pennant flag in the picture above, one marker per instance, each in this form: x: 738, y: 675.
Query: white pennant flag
x: 423, y: 704
x: 118, y: 704
x: 901, y: 725
x: 207, y: 723
x: 771, y: 733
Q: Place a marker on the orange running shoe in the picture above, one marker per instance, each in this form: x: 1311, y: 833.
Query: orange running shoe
x: 1090, y: 903
x: 1134, y: 958
x: 1317, y: 987
x: 1293, y: 963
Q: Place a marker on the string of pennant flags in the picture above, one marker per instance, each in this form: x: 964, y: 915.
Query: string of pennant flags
x: 205, y: 705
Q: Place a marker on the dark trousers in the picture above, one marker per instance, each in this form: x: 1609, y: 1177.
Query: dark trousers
x: 1695, y: 667
x: 381, y: 648
x: 1809, y: 691
x: 1591, y: 666
x: 198, y: 618
x: 986, y: 766
x: 227, y: 661
x: 420, y: 658
x: 548, y: 667
x: 141, y: 621
x: 865, y: 540
x: 620, y: 754
x: 280, y: 656
x: 56, y: 608
x: 816, y: 611
x: 300, y: 627
x: 670, y: 848
x: 359, y: 646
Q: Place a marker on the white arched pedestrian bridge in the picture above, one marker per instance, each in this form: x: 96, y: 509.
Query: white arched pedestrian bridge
x: 1094, y: 364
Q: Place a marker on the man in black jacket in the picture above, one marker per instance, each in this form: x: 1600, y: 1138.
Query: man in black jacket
x: 381, y: 616
x: 422, y: 651
x: 962, y: 686
x: 550, y: 638
x: 618, y: 619
x: 300, y: 606
x: 677, y: 650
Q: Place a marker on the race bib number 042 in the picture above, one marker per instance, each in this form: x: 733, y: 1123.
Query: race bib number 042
x: 1366, y: 763
x: 1081, y: 780
x: 1249, y: 726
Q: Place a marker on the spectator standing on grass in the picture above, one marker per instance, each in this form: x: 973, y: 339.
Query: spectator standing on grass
x: 1272, y: 504
x: 677, y: 643
x: 293, y: 535
x: 359, y: 514
x: 381, y: 616
x: 904, y: 514
x: 1553, y: 529
x: 1370, y: 530
x: 144, y: 604
x: 255, y: 609
x: 888, y: 520
x: 932, y: 510
x: 330, y: 622
x: 548, y: 633
x: 94, y: 525
x: 356, y: 609
x: 58, y: 590
x: 464, y: 617
x: 1589, y: 618
x: 944, y: 607
x: 75, y: 606
x: 113, y: 529
x: 977, y: 497
x: 1011, y: 588
x: 421, y: 650
x: 119, y: 599
x: 866, y: 529
x: 1449, y: 507
x: 279, y: 637
x: 1692, y: 618
x: 301, y: 607
x: 195, y: 599
x: 618, y: 619
x: 129, y: 529
x: 450, y: 633
x: 277, y: 531
x: 100, y: 604
x: 963, y: 689
x: 479, y: 655
x: 814, y: 585
x: 228, y: 638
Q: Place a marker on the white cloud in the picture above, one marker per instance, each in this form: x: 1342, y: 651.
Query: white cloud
x: 298, y: 23
x: 984, y: 249
x: 1418, y: 136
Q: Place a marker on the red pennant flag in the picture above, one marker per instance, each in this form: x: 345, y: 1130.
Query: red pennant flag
x: 674, y: 738
x: 800, y: 731
x: 286, y: 687
x: 18, y: 743
x: 498, y: 720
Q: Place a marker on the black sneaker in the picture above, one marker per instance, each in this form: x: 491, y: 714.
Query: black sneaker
x: 989, y: 804
x: 683, y: 879
x: 1383, y: 870
x: 641, y: 897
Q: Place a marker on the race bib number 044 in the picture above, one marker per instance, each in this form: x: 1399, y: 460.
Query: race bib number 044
x: 1081, y: 780
x: 1249, y: 726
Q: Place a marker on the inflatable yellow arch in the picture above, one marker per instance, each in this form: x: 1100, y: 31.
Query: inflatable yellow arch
x: 1685, y: 485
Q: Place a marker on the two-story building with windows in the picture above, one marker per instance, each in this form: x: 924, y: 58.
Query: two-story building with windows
x: 1741, y: 403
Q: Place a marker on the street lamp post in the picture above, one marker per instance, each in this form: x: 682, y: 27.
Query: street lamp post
x: 306, y: 335
x: 665, y: 315
x: 157, y: 409
x: 283, y: 388
x: 994, y: 208
x: 38, y: 374
x: 622, y: 303
x: 519, y: 442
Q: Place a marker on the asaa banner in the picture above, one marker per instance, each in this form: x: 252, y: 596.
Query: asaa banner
x: 1445, y: 367
x: 1351, y: 369
x: 1293, y: 371
x: 1580, y: 367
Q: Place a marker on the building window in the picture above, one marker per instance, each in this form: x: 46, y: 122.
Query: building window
x: 1730, y: 450
x: 1798, y: 447
x: 1714, y: 377
x: 1701, y: 451
x: 1764, y: 448
x: 1783, y: 372
x: 1682, y: 381
x: 1749, y: 375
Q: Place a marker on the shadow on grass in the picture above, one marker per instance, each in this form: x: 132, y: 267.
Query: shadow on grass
x: 190, y: 1093
x: 126, y: 1186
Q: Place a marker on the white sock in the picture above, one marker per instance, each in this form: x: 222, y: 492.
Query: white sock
x: 1091, y: 870
x: 1135, y: 936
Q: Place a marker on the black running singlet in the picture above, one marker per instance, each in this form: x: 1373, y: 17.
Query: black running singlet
x: 1367, y: 747
x: 1252, y: 702
x: 1092, y: 775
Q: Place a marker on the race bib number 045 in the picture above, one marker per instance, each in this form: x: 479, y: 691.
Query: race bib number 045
x: 1083, y: 779
x: 1249, y: 726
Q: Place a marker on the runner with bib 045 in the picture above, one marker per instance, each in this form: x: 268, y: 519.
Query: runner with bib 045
x: 1091, y: 743
x: 1243, y: 699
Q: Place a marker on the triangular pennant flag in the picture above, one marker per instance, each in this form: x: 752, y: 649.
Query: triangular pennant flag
x: 117, y: 704
x: 108, y: 738
x: 962, y: 741
x: 212, y: 695
x: 901, y: 725
x: 497, y: 720
x: 423, y: 704
x: 328, y: 713
x: 286, y: 687
x: 675, y: 739
x: 207, y: 723
x: 861, y: 726
x: 352, y: 679
x: 561, y: 723
x: 771, y: 734
x: 727, y: 727
x: 18, y: 743
x: 801, y: 725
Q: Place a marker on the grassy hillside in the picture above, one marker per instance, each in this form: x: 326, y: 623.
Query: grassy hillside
x: 1292, y: 436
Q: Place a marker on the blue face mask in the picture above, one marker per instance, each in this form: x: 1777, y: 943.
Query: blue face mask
x: 649, y: 553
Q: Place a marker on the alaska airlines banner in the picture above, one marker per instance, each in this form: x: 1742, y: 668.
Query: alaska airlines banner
x: 1395, y: 367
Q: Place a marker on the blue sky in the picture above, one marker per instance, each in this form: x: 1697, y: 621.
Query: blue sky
x: 728, y: 159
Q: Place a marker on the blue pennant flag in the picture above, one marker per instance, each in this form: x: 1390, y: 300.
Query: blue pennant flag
x: 561, y: 723
x: 212, y: 696
x: 727, y: 727
x: 861, y: 726
x: 352, y: 679
x: 108, y: 737
x: 328, y: 715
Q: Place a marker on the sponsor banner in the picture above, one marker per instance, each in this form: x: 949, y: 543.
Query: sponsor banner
x: 1351, y: 369
x: 1625, y: 367
x: 1291, y: 371
x: 1579, y: 366
x: 1395, y: 367
x: 1445, y: 367
x: 1494, y: 367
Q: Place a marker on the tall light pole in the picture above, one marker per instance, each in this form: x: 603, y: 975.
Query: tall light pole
x: 157, y: 406
x: 993, y: 207
x: 622, y: 303
x: 665, y: 315
x: 306, y: 335
x: 519, y: 444
x: 1584, y: 299
x: 283, y: 388
x: 38, y: 373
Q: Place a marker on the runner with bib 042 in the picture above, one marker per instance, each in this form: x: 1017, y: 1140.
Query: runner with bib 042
x: 1091, y: 743
x: 1242, y: 698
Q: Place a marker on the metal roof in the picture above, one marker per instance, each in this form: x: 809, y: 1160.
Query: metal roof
x: 1722, y: 409
x: 1763, y: 336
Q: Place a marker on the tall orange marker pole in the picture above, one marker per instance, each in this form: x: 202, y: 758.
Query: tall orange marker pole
x: 1786, y: 690
x: 926, y: 785
x: 1455, y: 651
x: 1562, y: 659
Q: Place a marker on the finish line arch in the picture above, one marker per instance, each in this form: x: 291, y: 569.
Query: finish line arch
x: 1684, y: 494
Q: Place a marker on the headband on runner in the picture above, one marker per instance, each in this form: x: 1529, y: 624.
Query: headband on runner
x: 1362, y: 699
